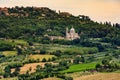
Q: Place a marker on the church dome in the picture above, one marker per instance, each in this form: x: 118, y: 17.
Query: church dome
x: 72, y: 30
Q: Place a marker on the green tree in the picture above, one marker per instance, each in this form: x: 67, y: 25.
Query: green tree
x: 58, y: 53
x: 7, y: 71
x: 44, y: 60
x: 76, y: 60
x: 16, y: 72
x: 105, y: 62
x: 42, y: 51
x: 38, y: 68
x: 98, y: 67
x: 19, y: 50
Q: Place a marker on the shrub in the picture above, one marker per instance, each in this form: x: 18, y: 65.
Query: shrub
x: 44, y: 60
x: 43, y: 51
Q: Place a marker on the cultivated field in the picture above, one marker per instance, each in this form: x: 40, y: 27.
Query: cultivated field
x: 27, y: 67
x: 9, y: 53
x: 68, y: 49
x: 14, y: 42
x: 14, y: 78
x: 40, y: 57
x: 17, y: 41
x: 80, y: 67
x: 52, y: 78
x: 31, y: 66
x: 100, y: 76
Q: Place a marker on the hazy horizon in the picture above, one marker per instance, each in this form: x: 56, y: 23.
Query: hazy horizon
x: 98, y: 10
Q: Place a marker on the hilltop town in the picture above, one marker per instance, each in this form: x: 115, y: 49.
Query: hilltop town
x: 21, y: 12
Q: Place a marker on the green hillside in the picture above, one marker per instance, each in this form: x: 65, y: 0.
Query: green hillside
x: 27, y: 51
x: 34, y: 22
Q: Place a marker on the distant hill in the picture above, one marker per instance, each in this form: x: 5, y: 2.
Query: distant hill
x: 34, y: 22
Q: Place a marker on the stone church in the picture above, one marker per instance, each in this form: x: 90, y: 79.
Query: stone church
x: 71, y: 35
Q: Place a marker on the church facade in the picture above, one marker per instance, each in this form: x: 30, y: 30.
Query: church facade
x: 71, y: 35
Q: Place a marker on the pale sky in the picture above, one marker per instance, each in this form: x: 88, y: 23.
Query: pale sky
x: 98, y: 10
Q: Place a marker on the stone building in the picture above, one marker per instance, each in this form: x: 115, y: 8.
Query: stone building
x: 54, y: 37
x: 71, y: 35
x: 4, y: 11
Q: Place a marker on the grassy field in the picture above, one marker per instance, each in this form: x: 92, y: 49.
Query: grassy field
x: 78, y: 74
x: 40, y: 57
x: 72, y: 49
x: 67, y: 48
x: 14, y: 42
x: 81, y: 50
x: 17, y: 41
x: 80, y: 67
x: 100, y: 76
x: 9, y: 53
